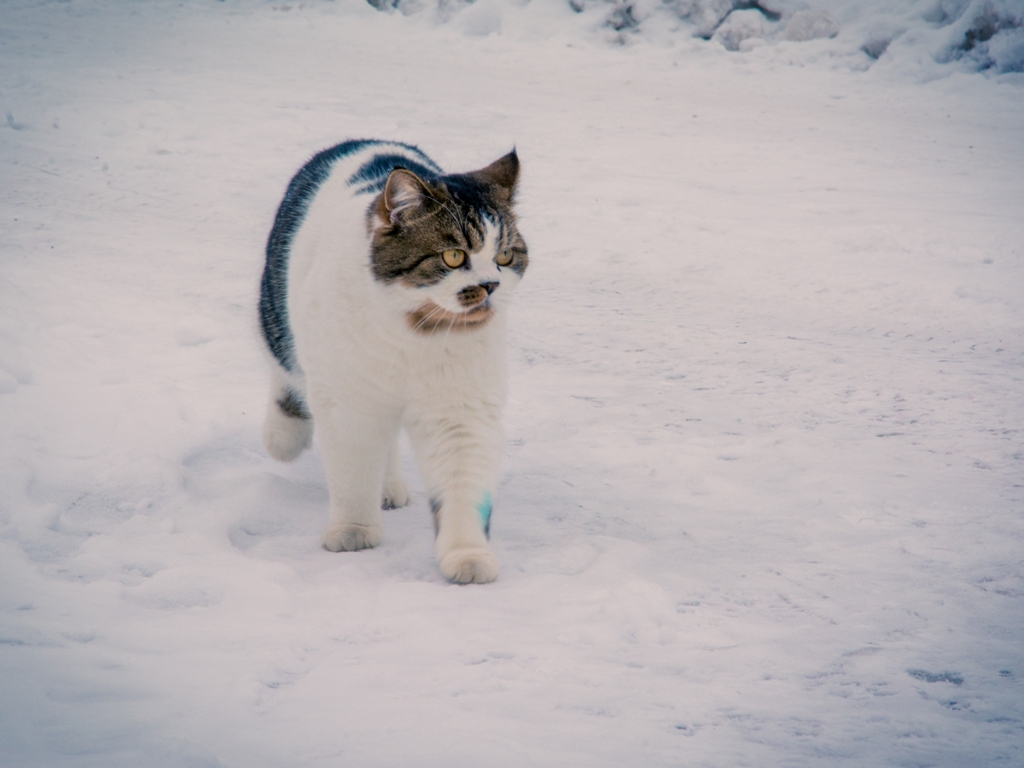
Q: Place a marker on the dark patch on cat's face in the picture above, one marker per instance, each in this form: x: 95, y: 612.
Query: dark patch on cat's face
x: 473, y: 295
x: 409, y: 250
x: 429, y: 318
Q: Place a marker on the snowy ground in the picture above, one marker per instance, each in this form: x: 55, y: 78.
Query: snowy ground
x: 763, y: 492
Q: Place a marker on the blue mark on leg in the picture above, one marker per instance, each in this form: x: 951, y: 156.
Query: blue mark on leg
x: 484, y: 507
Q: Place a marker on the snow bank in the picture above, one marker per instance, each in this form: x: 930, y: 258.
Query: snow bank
x: 934, y: 36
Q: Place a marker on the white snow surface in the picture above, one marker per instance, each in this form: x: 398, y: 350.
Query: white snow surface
x: 763, y: 489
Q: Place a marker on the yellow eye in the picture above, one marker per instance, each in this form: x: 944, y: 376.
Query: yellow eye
x: 454, y: 258
x: 503, y: 259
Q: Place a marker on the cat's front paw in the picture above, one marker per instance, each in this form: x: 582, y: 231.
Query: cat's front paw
x: 348, y: 537
x: 395, y: 495
x: 474, y: 565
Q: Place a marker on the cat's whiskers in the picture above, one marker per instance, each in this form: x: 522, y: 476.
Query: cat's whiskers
x: 447, y: 333
x: 452, y: 322
x: 422, y: 323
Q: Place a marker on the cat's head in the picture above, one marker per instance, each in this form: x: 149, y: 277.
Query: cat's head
x: 447, y: 248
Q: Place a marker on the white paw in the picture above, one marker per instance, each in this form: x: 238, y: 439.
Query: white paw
x: 348, y: 537
x: 474, y: 565
x: 395, y: 495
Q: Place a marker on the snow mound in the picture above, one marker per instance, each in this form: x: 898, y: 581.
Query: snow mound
x: 931, y: 36
x: 985, y: 34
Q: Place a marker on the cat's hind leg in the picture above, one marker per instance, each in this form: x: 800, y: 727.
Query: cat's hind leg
x: 396, y: 493
x: 355, y: 440
x: 288, y: 427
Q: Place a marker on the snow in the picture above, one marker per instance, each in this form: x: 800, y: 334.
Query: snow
x: 763, y: 485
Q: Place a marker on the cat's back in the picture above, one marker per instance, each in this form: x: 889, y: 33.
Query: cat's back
x: 348, y: 175
x: 340, y: 180
x: 326, y: 203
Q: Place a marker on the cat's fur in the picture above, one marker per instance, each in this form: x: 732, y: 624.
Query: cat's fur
x: 370, y: 331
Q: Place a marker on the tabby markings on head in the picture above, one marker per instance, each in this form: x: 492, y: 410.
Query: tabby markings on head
x: 449, y: 239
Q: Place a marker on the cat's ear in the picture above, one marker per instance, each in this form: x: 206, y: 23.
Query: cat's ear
x: 404, y: 191
x: 502, y: 176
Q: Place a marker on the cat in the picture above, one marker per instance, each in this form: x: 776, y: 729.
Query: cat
x: 383, y: 305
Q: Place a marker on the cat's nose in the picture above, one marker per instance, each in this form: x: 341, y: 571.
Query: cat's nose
x: 489, y: 287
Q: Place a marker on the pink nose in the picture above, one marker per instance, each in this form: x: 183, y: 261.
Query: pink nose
x: 489, y: 287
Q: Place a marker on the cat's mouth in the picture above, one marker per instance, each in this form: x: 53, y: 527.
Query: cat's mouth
x: 430, y: 317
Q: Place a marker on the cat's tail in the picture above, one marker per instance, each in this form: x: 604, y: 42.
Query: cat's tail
x: 288, y: 428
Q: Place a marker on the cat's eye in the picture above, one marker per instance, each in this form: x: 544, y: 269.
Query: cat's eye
x: 503, y: 259
x: 454, y: 257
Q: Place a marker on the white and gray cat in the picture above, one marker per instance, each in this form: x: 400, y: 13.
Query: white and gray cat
x: 383, y: 304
